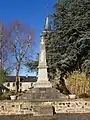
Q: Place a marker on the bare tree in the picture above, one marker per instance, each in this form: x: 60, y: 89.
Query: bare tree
x: 20, y: 42
x: 2, y: 45
x: 3, y: 52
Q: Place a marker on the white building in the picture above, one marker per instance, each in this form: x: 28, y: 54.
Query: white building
x: 24, y: 84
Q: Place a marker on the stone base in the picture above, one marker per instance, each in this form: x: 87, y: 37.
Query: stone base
x: 72, y: 96
x: 43, y: 84
x: 35, y: 94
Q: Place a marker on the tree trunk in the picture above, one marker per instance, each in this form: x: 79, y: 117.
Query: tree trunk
x: 62, y: 87
x: 17, y: 77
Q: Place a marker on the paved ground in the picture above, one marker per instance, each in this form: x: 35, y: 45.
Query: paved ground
x: 56, y: 117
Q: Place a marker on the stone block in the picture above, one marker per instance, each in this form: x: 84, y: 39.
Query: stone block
x: 72, y: 96
x: 43, y: 111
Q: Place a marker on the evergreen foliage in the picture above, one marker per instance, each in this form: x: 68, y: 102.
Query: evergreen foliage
x: 3, y: 74
x: 32, y: 65
x: 68, y: 45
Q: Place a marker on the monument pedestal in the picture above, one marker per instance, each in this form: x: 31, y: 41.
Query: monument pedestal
x: 42, y: 81
x: 40, y: 94
x: 42, y: 84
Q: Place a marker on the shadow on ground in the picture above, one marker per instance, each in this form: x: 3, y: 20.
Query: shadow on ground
x: 56, y: 117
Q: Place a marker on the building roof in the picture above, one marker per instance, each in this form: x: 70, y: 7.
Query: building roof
x: 22, y: 78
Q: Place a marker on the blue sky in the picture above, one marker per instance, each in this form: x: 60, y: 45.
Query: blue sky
x: 30, y: 12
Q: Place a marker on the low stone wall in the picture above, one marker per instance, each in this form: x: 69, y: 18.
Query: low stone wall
x: 44, y: 108
x: 72, y: 106
x: 25, y: 107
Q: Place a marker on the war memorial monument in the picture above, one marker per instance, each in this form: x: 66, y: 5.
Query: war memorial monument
x: 43, y: 99
x: 43, y: 88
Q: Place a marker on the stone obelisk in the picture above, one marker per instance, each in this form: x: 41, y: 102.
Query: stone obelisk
x: 42, y: 81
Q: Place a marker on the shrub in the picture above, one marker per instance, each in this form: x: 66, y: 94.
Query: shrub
x: 12, y: 92
x: 83, y: 95
x: 5, y: 96
x: 78, y: 82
